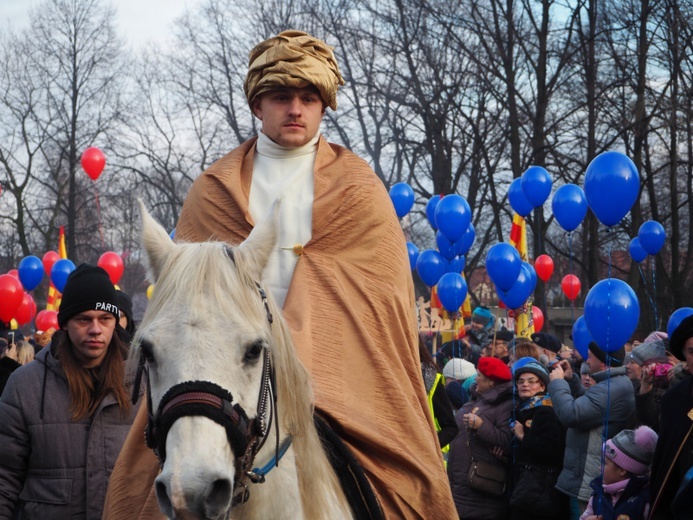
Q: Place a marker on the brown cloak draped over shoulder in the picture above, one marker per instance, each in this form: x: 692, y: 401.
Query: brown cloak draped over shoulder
x: 350, y: 308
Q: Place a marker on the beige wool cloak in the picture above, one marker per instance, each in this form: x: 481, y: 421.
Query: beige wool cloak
x: 350, y: 308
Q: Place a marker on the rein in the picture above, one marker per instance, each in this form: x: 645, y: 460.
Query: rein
x: 203, y: 398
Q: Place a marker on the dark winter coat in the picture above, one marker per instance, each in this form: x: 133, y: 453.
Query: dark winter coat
x: 52, y: 467
x: 495, y: 408
x: 631, y: 504
x: 542, y: 447
x: 7, y: 366
x: 674, y: 425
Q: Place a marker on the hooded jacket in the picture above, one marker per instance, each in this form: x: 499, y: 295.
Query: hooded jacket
x: 495, y: 408
x: 52, y: 466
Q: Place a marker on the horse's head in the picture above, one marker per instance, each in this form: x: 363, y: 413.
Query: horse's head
x: 204, y: 344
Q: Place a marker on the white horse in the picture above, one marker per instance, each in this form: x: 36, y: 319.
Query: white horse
x: 221, y: 368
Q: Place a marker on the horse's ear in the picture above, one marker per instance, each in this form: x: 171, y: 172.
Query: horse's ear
x: 157, y: 243
x: 256, y: 249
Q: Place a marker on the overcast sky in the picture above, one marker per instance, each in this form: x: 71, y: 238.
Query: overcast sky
x: 139, y: 21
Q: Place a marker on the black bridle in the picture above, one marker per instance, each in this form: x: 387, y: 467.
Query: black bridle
x: 207, y: 399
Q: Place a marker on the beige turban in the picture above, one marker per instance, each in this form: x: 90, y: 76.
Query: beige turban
x: 293, y: 59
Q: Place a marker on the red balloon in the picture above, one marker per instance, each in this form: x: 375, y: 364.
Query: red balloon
x: 48, y: 260
x: 11, y: 295
x: 571, y: 286
x: 46, y: 320
x: 543, y: 265
x: 537, y: 318
x: 13, y: 272
x: 501, y: 305
x: 26, y: 311
x: 93, y: 162
x: 112, y: 263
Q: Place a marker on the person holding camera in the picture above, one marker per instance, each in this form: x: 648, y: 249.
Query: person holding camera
x: 584, y: 419
x: 647, y: 367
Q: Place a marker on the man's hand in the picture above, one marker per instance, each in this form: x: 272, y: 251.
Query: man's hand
x: 557, y: 372
x: 567, y: 369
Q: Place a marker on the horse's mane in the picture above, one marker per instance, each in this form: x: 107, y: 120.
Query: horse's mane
x: 201, y: 274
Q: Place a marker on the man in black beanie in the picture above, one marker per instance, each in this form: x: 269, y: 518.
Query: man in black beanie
x: 67, y: 413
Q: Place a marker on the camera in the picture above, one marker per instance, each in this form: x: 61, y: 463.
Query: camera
x: 661, y: 370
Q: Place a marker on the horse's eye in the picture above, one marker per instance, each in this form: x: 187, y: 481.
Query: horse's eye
x: 253, y: 351
x: 147, y: 350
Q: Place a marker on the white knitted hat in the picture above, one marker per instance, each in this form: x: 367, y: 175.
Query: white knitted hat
x: 459, y: 369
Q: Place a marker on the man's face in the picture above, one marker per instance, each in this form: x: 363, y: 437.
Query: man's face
x: 500, y: 348
x: 688, y: 353
x: 291, y: 116
x: 594, y: 363
x: 90, y: 333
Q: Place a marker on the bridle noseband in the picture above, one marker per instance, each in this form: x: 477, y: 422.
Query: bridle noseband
x: 207, y: 399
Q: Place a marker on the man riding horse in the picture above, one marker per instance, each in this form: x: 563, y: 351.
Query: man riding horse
x: 340, y: 273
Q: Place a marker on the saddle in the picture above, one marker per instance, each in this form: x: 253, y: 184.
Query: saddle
x: 359, y: 493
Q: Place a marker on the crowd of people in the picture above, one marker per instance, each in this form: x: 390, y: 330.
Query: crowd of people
x: 605, y: 437
x: 523, y: 426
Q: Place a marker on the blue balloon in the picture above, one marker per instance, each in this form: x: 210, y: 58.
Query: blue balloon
x: 402, y: 197
x: 677, y: 317
x: 503, y: 265
x: 172, y: 234
x: 536, y: 185
x: 453, y: 216
x: 581, y: 336
x: 431, y: 266
x: 517, y: 199
x: 569, y: 206
x: 452, y: 291
x: 445, y: 247
x: 456, y: 265
x: 521, y: 289
x: 529, y: 268
x: 652, y: 236
x: 637, y: 253
x: 413, y: 253
x: 612, y: 312
x: 30, y: 272
x: 464, y: 244
x: 60, y: 271
x: 612, y: 186
x: 431, y: 211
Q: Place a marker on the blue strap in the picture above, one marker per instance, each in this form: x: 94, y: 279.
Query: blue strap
x: 274, y: 461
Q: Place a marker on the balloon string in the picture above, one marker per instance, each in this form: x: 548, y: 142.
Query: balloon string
x: 654, y: 293
x: 608, y: 308
x: 98, y: 216
x: 647, y: 292
x: 605, y: 426
x: 570, y: 255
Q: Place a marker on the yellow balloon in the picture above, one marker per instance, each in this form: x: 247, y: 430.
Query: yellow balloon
x: 117, y: 288
x: 150, y: 291
x: 13, y: 324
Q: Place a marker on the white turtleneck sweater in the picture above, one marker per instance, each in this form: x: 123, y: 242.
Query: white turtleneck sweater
x: 286, y: 172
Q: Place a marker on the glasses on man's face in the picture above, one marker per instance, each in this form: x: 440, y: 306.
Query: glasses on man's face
x: 521, y: 382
